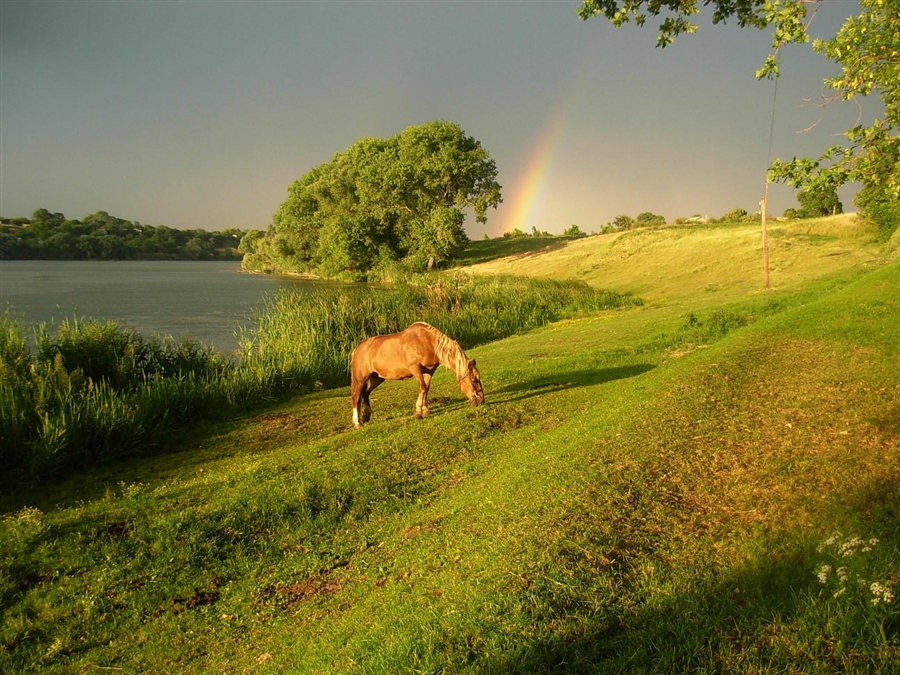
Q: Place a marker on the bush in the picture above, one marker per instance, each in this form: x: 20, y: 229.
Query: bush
x: 734, y: 216
x: 880, y: 209
x: 622, y: 222
x: 514, y: 234
x: 647, y: 219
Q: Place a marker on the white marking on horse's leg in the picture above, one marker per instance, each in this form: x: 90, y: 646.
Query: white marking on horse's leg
x: 356, y: 418
x: 418, y: 410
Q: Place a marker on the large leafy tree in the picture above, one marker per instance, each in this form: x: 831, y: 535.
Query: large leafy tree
x: 381, y: 200
x: 867, y: 50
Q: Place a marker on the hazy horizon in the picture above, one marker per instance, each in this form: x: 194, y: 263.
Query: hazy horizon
x: 199, y: 115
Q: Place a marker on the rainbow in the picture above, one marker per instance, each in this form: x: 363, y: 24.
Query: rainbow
x: 531, y: 183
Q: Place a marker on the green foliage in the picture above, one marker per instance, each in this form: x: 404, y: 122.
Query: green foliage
x: 676, y: 14
x: 819, y: 201
x: 514, y: 233
x: 574, y: 231
x: 623, y: 222
x: 647, y: 219
x: 866, y: 49
x: 880, y: 209
x: 96, y: 391
x: 100, y: 236
x: 382, y: 201
x: 739, y: 215
x: 307, y: 338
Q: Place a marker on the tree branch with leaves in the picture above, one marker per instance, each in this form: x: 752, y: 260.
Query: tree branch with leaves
x: 867, y: 50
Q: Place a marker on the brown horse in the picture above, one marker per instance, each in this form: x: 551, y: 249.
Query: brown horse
x: 414, y: 352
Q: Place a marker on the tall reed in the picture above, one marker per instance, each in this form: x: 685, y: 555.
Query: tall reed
x: 307, y: 338
x: 95, y: 391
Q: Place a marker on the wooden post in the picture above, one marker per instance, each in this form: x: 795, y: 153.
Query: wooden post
x: 765, y: 234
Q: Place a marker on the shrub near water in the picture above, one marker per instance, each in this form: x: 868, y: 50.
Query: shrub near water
x: 96, y: 391
x: 91, y: 392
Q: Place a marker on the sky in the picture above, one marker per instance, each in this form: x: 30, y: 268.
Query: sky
x: 199, y: 114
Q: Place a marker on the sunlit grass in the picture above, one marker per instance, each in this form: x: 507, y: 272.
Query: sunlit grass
x: 644, y: 491
x: 677, y: 263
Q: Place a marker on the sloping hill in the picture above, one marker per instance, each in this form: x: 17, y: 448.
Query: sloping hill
x: 701, y: 264
x: 646, y: 490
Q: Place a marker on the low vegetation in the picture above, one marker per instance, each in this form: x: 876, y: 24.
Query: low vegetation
x: 96, y: 391
x: 705, y: 482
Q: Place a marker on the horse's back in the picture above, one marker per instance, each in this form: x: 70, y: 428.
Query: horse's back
x: 392, y: 356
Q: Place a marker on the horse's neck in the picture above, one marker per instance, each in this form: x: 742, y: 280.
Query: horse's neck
x: 450, y: 354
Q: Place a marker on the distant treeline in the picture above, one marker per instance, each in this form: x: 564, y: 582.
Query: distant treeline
x: 100, y: 236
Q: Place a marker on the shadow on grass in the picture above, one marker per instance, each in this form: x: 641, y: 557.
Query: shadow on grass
x: 770, y: 614
x: 573, y: 379
x: 711, y: 629
x: 485, y: 251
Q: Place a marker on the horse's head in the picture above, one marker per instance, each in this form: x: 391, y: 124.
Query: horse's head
x: 470, y: 384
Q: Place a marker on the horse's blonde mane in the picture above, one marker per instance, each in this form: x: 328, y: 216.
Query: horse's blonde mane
x: 448, y: 351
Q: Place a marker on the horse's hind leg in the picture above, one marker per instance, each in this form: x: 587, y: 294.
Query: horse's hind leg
x: 365, y: 407
x: 358, y: 398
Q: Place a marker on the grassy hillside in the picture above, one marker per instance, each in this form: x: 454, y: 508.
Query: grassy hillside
x: 698, y: 264
x: 655, y: 489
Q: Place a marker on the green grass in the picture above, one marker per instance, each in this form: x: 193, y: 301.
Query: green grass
x: 95, y: 391
x: 645, y: 490
x: 702, y: 265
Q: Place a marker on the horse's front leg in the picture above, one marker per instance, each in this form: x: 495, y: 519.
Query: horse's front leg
x: 424, y: 380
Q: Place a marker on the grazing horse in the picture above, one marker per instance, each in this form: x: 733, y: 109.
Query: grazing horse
x: 415, y: 352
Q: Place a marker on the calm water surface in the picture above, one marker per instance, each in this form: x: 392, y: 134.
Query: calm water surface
x: 204, y: 300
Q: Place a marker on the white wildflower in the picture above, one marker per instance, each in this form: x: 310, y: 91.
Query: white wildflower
x: 848, y: 548
x: 842, y: 574
x: 840, y: 592
x: 881, y: 593
x: 823, y: 574
x: 828, y: 542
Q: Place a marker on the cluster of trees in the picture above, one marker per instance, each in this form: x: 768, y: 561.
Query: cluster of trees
x: 100, y: 236
x: 572, y: 231
x: 645, y: 219
x: 381, y: 201
x: 621, y: 222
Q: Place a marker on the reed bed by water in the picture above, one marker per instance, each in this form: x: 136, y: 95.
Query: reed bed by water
x: 94, y: 391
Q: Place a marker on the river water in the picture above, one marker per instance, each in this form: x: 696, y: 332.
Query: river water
x: 206, y: 301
